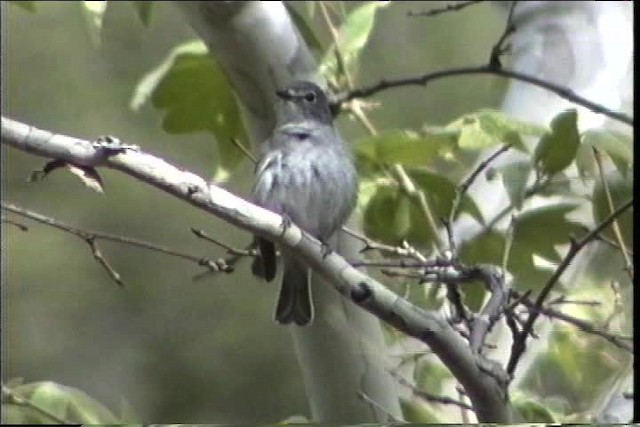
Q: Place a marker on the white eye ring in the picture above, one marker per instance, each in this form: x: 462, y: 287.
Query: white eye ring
x: 310, y: 97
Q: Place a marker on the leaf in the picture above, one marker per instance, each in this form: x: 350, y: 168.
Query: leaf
x: 305, y: 30
x: 68, y: 403
x: 195, y: 95
x: 489, y: 128
x: 415, y: 411
x: 94, y: 13
x: 617, y: 146
x: 538, y: 230
x: 29, y: 6
x: 380, y: 215
x: 557, y: 149
x: 392, y: 216
x: 352, y: 37
x: 143, y: 9
x: 514, y: 178
x: 441, y: 192
x: 405, y: 147
x: 533, y: 411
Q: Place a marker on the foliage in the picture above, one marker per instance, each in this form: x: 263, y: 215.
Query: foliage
x: 192, y: 93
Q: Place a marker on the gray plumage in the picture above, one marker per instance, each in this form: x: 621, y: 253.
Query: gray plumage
x: 304, y: 173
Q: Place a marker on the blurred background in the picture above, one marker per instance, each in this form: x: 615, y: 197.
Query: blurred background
x: 172, y: 348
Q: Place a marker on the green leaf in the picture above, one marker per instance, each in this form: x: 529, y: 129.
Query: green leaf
x: 404, y: 147
x: 29, y: 6
x: 195, y: 95
x: 533, y: 411
x: 305, y: 30
x: 557, y: 149
x: 415, y: 411
x: 488, y: 128
x: 514, y: 178
x: 440, y: 193
x: 143, y: 9
x: 617, y: 146
x: 68, y: 403
x: 538, y: 230
x: 621, y: 190
x: 94, y: 13
x: 392, y: 216
x: 380, y: 215
x: 352, y: 37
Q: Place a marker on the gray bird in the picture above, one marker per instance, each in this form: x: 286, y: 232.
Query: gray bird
x: 306, y: 174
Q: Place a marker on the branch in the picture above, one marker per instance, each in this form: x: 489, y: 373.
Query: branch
x: 489, y: 396
x: 422, y: 80
x: 454, y: 7
x: 90, y: 238
x: 519, y: 344
x: 617, y: 340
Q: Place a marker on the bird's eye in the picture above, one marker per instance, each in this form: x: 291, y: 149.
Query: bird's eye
x: 310, y: 97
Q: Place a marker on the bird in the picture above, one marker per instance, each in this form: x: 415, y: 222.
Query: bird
x: 307, y: 174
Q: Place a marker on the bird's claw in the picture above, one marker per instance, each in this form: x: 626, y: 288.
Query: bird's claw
x: 326, y: 249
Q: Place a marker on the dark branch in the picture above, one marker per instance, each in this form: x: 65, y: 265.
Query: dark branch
x: 424, y: 79
x: 454, y: 7
x: 90, y: 237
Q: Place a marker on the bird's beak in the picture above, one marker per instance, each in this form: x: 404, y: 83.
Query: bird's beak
x: 284, y: 94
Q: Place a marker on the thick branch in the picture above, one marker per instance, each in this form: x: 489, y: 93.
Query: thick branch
x: 487, y: 393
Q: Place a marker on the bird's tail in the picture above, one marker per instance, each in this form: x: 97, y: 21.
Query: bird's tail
x: 294, y: 302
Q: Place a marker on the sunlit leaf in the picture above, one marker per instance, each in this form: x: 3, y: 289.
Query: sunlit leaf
x: 415, y: 411
x: 66, y: 403
x: 404, y: 147
x: 488, y: 128
x: 557, y: 149
x: 353, y: 35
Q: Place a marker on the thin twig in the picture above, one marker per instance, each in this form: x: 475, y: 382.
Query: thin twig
x: 406, y: 250
x: 423, y: 80
x: 19, y: 225
x: 453, y: 7
x: 245, y: 151
x: 91, y: 236
x: 500, y: 48
x: 251, y: 252
x: 362, y: 395
x: 617, y: 340
x: 464, y: 186
x: 614, y: 226
x: 429, y: 397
